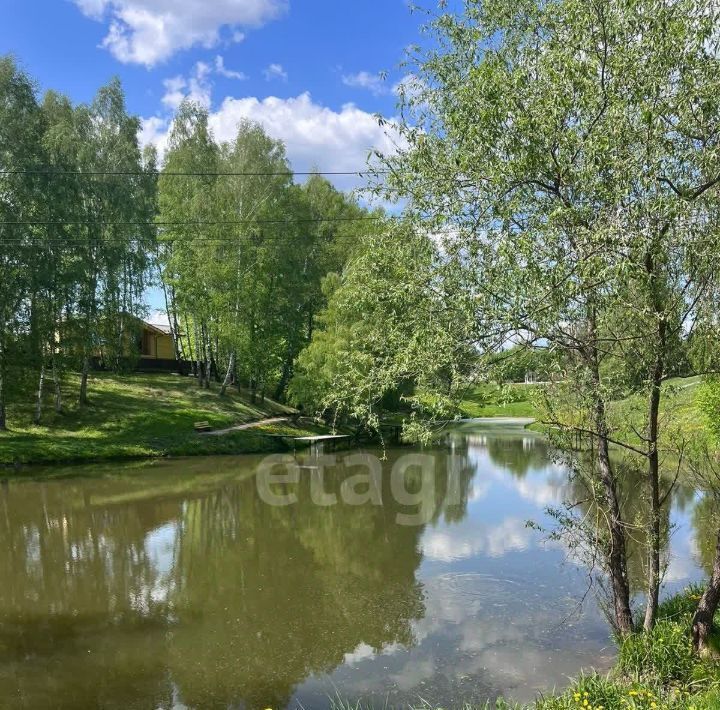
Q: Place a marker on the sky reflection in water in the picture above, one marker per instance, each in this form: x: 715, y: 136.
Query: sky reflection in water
x: 172, y: 585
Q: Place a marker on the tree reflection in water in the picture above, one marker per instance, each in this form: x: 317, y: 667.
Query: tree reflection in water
x: 177, y: 586
x: 155, y: 590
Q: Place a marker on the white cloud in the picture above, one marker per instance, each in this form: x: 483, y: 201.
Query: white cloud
x: 174, y: 91
x: 315, y: 135
x: 473, y: 539
x: 154, y: 130
x: 222, y: 70
x: 365, y: 80
x: 410, y: 86
x: 150, y: 31
x: 92, y: 8
x: 196, y: 87
x: 275, y: 71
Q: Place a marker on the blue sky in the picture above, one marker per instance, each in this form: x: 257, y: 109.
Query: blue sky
x: 306, y: 69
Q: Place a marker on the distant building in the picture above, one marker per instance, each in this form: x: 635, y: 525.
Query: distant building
x: 156, y: 342
x: 156, y: 350
x: 148, y: 348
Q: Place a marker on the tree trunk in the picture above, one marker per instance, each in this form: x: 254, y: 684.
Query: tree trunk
x: 39, y: 400
x: 617, y: 554
x: 198, y: 358
x: 56, y: 381
x: 284, y: 378
x: 172, y: 321
x: 703, y: 620
x: 206, y: 355
x: 3, y: 419
x: 228, y: 374
x: 215, y: 359
x: 653, y: 437
x: 655, y: 542
x: 84, y: 381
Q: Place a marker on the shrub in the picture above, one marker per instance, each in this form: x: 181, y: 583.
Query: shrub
x: 588, y: 692
x: 664, y: 655
x: 681, y: 607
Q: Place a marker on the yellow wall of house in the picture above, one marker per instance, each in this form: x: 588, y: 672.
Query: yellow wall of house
x: 157, y: 345
x: 165, y: 350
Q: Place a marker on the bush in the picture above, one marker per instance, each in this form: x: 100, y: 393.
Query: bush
x: 597, y: 693
x: 681, y: 607
x: 664, y: 655
x: 590, y: 692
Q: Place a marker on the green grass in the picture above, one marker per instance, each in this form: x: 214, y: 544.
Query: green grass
x: 679, y: 408
x: 678, y: 411
x: 138, y: 415
x: 488, y: 400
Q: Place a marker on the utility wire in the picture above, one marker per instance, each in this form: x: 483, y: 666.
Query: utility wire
x: 191, y: 240
x: 209, y: 223
x: 162, y: 173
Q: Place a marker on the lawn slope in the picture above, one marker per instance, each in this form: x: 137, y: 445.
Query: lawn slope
x: 138, y: 415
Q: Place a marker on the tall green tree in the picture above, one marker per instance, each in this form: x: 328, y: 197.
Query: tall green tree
x: 567, y: 153
x: 186, y: 190
x: 21, y: 128
x: 115, y: 241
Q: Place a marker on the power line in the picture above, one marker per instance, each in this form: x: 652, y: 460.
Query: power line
x: 74, y: 241
x: 162, y: 173
x: 209, y: 223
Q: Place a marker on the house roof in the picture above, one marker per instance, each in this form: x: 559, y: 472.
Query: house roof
x: 158, y: 328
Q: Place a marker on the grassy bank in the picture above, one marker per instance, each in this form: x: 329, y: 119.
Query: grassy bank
x: 138, y: 415
x: 141, y: 415
x: 679, y: 408
x: 490, y: 400
x: 656, y: 671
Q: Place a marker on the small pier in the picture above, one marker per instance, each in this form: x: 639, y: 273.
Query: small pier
x: 317, y: 443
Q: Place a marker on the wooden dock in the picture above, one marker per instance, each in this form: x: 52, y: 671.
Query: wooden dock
x: 316, y: 443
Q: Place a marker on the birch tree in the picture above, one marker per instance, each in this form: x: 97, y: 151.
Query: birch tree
x: 20, y: 202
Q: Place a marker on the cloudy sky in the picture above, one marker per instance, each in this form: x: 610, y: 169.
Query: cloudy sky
x: 307, y: 69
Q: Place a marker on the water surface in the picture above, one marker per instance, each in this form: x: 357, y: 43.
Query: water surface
x: 173, y: 585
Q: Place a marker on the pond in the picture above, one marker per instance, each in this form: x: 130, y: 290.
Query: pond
x: 178, y: 584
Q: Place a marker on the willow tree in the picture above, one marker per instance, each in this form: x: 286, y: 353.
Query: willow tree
x: 395, y: 329
x: 567, y: 153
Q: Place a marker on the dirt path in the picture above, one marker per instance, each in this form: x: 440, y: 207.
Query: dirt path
x: 242, y: 427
